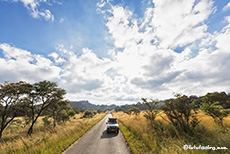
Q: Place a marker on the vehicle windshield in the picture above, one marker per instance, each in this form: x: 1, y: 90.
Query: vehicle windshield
x: 112, y: 121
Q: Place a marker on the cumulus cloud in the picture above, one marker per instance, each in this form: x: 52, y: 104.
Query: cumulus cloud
x: 33, y: 6
x: 146, y: 46
x: 144, y: 61
x: 19, y: 64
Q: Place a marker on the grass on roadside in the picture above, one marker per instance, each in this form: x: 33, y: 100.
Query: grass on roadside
x: 136, y: 145
x: 142, y: 139
x: 47, y: 140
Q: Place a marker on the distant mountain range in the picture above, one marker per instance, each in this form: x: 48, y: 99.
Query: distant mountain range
x: 85, y: 104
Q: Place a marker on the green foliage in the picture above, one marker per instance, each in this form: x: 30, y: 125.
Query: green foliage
x: 213, y: 104
x: 10, y: 105
x: 222, y: 98
x: 134, y: 110
x: 39, y: 97
x: 151, y: 109
x: 78, y: 109
x: 64, y: 115
x: 216, y: 111
x: 136, y: 145
x: 100, y: 111
x: 127, y: 112
x: 89, y: 114
x: 59, y: 111
x: 46, y: 121
x: 181, y: 113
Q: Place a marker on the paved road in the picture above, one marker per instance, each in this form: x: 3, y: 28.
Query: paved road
x: 97, y: 141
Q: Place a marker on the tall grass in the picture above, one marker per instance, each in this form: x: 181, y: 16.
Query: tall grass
x: 170, y: 140
x: 46, y: 140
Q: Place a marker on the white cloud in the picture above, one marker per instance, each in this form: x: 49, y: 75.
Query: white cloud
x: 226, y: 7
x: 145, y: 49
x: 19, y: 64
x: 143, y: 63
x: 178, y: 23
x: 33, y: 6
x: 47, y: 15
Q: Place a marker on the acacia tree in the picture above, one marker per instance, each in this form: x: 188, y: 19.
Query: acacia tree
x: 40, y: 96
x: 10, y: 105
x: 59, y: 111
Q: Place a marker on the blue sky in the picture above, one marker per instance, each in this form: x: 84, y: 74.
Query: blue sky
x: 105, y: 50
x: 81, y: 26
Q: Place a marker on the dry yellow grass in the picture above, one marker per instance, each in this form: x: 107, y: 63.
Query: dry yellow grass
x: 46, y: 139
x: 207, y: 134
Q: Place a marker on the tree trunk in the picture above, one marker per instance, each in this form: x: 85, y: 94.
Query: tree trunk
x: 54, y: 118
x: 30, y: 131
x: 1, y: 133
x: 4, y: 124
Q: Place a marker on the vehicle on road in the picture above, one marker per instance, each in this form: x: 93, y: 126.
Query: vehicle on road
x: 112, y: 125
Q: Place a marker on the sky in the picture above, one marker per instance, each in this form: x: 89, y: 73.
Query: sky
x: 117, y: 51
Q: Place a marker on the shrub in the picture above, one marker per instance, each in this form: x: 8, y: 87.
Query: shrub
x: 216, y: 111
x: 88, y: 114
x: 181, y: 113
x: 46, y: 121
x: 151, y: 109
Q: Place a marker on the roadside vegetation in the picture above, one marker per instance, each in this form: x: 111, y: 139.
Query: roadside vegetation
x: 35, y: 118
x: 167, y: 127
x: 45, y: 139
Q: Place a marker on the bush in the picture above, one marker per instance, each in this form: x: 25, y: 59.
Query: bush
x: 88, y: 114
x: 181, y: 113
x: 213, y: 105
x: 46, y: 121
x: 151, y: 109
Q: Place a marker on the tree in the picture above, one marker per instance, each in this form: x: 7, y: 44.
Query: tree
x: 88, y: 114
x: 78, y: 109
x: 221, y: 97
x: 99, y: 111
x: 136, y: 111
x: 10, y: 105
x: 181, y: 113
x: 127, y: 111
x: 151, y: 109
x: 39, y: 97
x: 213, y: 104
x: 216, y: 111
x: 57, y: 111
x: 65, y: 115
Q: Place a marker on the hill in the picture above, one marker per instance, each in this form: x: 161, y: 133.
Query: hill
x: 85, y: 104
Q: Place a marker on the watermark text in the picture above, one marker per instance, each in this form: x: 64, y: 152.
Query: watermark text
x: 201, y: 147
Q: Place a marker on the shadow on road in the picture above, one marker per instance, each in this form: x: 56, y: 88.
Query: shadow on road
x: 108, y: 135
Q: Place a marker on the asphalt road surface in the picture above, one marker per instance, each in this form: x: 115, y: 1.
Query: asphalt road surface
x: 97, y: 141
